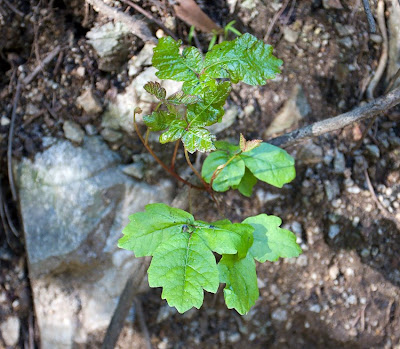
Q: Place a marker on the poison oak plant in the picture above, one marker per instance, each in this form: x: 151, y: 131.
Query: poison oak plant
x: 183, y: 248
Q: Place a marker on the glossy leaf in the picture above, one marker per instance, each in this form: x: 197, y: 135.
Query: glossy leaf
x: 158, y: 120
x: 244, y: 59
x: 171, y: 64
x: 147, y: 230
x: 230, y: 176
x: 239, y: 275
x: 198, y: 138
x: 181, y: 98
x: 211, y: 109
x: 184, y: 266
x: 270, y: 164
x: 247, y: 183
x: 270, y: 241
x: 155, y: 89
x: 177, y: 128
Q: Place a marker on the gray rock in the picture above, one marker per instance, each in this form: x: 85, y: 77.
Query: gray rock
x: 334, y: 230
x: 142, y: 59
x: 310, y: 153
x: 295, y: 108
x: 73, y: 132
x: 89, y: 102
x: 346, y: 42
x: 344, y: 30
x: 332, y: 189
x: 315, y: 308
x: 111, y: 44
x: 373, y: 150
x: 119, y: 112
x: 339, y: 164
x: 290, y: 35
x: 74, y: 203
x: 134, y: 170
x: 110, y: 135
x: 10, y: 330
x: 279, y: 314
x: 234, y: 337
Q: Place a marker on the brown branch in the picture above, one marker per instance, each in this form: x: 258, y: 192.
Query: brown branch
x: 366, y: 111
x: 274, y: 19
x: 41, y: 65
x: 136, y: 26
x: 151, y: 18
x: 160, y: 162
x: 384, y: 55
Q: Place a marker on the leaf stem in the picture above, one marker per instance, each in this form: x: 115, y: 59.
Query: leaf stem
x: 206, y: 185
x: 220, y: 168
x: 162, y: 164
x: 174, y: 155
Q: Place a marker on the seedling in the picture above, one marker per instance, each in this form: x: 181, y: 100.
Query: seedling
x: 183, y: 248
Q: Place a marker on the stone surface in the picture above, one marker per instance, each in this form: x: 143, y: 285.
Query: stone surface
x: 231, y: 113
x: 119, y: 112
x: 295, y: 108
x: 332, y: 4
x: 111, y: 44
x: 290, y: 35
x: 73, y: 132
x: 144, y: 57
x: 89, y: 102
x: 74, y: 203
x: 9, y: 330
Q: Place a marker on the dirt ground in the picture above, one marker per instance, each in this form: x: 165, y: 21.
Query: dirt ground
x: 344, y: 290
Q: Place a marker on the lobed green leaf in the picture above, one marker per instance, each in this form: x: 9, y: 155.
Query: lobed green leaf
x: 270, y: 241
x: 198, y: 138
x: 239, y: 275
x: 155, y: 89
x: 158, y: 120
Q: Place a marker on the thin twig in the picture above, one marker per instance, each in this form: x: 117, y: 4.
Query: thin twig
x: 160, y: 162
x: 124, y: 304
x: 142, y: 322
x: 136, y: 26
x: 174, y: 154
x: 13, y: 8
x: 274, y: 19
x: 151, y: 18
x: 366, y: 111
x: 10, y: 141
x: 392, y: 81
x: 39, y: 67
x: 384, y: 55
x: 370, y: 17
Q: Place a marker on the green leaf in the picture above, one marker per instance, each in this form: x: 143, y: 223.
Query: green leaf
x: 239, y: 275
x: 200, y: 86
x: 271, y: 241
x: 198, y: 138
x: 270, y: 164
x: 229, y: 147
x: 230, y: 176
x: 177, y: 128
x: 225, y: 237
x: 184, y: 266
x: 172, y: 65
x: 247, y: 183
x: 181, y: 98
x: 244, y: 59
x: 147, y: 230
x: 155, y: 89
x: 211, y: 109
x: 158, y: 120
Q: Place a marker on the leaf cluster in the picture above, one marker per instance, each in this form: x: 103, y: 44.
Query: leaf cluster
x: 206, y: 86
x: 184, y: 262
x: 240, y: 166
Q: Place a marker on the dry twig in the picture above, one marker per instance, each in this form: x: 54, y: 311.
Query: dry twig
x: 136, y: 26
x: 274, y: 19
x: 151, y: 18
x: 142, y: 322
x: 370, y: 17
x: 384, y: 55
x: 366, y: 111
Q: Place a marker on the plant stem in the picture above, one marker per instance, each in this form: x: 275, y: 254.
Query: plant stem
x: 206, y: 185
x: 220, y: 168
x: 164, y: 166
x: 174, y: 155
